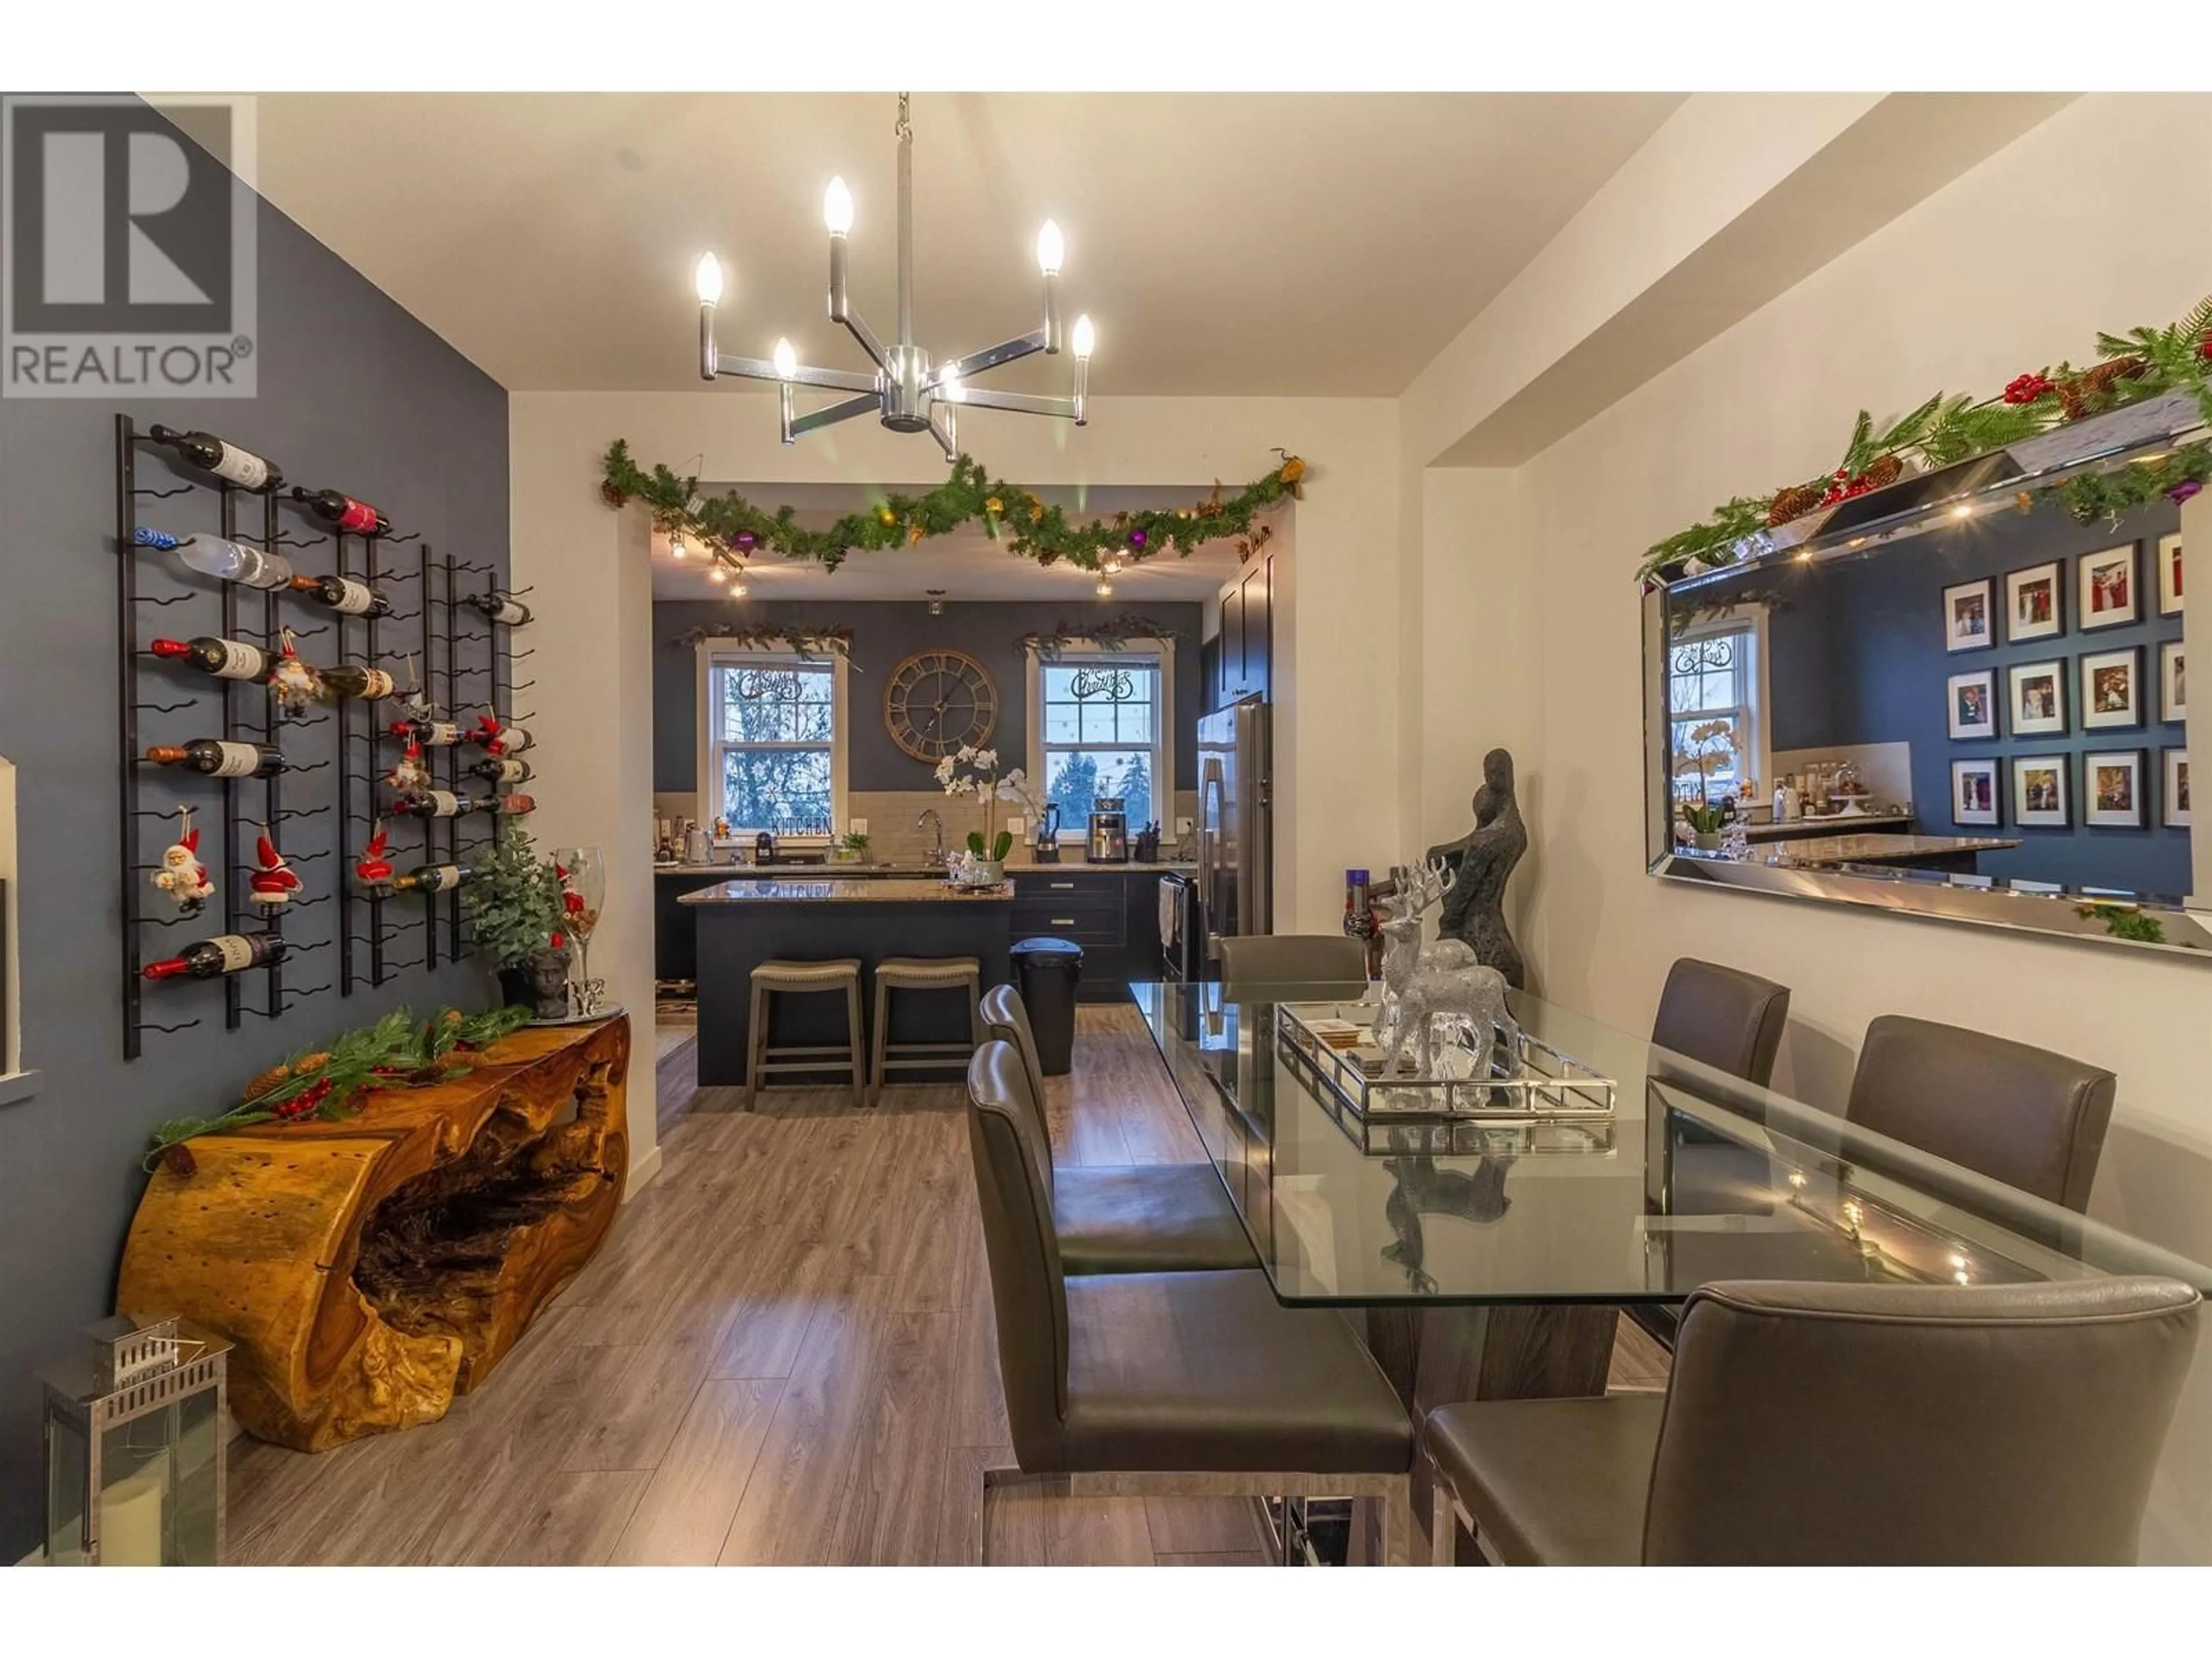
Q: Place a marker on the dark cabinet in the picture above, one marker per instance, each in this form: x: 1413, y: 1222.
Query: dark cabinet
x: 1113, y: 914
x: 1244, y: 650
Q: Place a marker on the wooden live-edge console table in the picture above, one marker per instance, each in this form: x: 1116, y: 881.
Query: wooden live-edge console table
x: 367, y: 1269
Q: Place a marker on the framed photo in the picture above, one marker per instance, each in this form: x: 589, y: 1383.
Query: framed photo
x: 2039, y: 793
x: 2169, y: 575
x: 2111, y: 689
x: 1974, y: 789
x: 2173, y: 798
x: 2106, y: 596
x: 2034, y: 607
x: 2113, y: 789
x: 2039, y: 699
x: 2172, y: 682
x: 1966, y: 622
x: 1974, y: 705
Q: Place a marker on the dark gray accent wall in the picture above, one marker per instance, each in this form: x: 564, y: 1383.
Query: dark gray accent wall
x: 355, y: 394
x: 884, y: 635
x: 1858, y: 657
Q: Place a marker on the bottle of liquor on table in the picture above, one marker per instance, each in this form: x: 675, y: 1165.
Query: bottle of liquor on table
x: 211, y: 958
x: 224, y: 560
x: 502, y: 768
x: 227, y: 659
x: 352, y: 679
x: 434, y: 878
x: 344, y: 595
x: 341, y: 512
x: 226, y: 460
x: 215, y: 757
x: 500, y: 607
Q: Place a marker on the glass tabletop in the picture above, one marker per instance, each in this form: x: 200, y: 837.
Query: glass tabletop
x: 1694, y: 1177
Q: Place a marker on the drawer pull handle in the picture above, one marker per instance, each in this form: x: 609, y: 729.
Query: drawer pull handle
x: 1063, y: 884
x: 1060, y: 921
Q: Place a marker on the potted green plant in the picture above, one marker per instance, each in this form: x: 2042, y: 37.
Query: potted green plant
x: 1709, y: 747
x: 515, y: 914
x: 850, y: 848
x: 973, y: 771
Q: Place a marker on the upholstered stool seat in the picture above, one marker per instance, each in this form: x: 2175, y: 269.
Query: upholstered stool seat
x: 923, y: 974
x: 1123, y: 1218
x: 798, y: 978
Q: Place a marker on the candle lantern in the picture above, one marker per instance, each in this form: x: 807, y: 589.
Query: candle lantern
x: 135, y: 1439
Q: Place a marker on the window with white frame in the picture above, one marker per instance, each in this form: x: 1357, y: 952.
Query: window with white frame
x: 1099, y: 724
x: 1712, y: 676
x: 771, y: 753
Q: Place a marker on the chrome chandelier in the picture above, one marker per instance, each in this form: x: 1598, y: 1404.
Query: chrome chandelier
x: 906, y: 392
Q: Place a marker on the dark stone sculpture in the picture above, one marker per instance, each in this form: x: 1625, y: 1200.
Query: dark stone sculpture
x: 1481, y: 861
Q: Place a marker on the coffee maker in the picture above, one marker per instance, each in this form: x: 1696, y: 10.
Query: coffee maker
x: 1045, y: 849
x: 1110, y: 831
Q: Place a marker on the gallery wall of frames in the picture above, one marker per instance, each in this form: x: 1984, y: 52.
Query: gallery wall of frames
x: 2037, y: 669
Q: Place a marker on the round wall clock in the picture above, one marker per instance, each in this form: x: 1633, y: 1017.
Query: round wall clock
x: 937, y: 700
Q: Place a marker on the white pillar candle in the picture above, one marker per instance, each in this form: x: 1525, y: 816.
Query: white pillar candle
x: 131, y: 1519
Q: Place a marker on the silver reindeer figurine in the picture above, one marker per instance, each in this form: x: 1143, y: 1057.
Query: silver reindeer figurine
x: 1422, y: 983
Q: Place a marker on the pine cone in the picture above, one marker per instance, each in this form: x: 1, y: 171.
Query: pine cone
x: 613, y: 497
x: 1883, y: 472
x: 1794, y: 502
x: 2101, y: 379
x: 268, y: 1080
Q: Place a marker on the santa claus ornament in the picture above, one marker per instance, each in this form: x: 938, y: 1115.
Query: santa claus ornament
x: 409, y: 777
x: 373, y: 870
x: 272, y: 881
x: 182, y: 876
x: 294, y: 683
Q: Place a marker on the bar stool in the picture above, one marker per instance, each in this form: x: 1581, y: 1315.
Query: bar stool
x: 924, y: 974
x: 842, y: 974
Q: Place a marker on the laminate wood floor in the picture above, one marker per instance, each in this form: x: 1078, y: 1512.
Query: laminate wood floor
x: 784, y: 1353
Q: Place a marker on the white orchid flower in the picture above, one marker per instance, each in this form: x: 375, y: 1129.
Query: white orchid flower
x: 944, y: 768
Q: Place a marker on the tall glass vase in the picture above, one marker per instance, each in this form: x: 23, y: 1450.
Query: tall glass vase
x: 583, y: 894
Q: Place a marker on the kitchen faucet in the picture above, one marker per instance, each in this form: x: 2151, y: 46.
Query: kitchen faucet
x: 935, y: 856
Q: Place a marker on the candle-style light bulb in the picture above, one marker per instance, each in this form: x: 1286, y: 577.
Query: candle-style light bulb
x: 1084, y: 338
x: 786, y: 360
x: 738, y: 590
x: 717, y: 574
x: 708, y: 280
x: 1052, y: 248
x: 837, y: 208
x: 676, y: 546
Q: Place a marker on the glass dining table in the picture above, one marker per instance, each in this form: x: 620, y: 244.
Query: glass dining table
x: 1692, y: 1177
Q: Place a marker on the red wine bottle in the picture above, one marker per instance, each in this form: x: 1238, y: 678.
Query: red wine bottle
x: 501, y: 607
x: 429, y: 734
x: 350, y: 679
x: 497, y: 768
x: 216, y: 758
x: 226, y: 460
x: 442, y: 804
x: 514, y: 807
x: 227, y: 659
x: 512, y: 739
x: 211, y: 958
x: 434, y: 878
x: 344, y: 595
x: 342, y: 512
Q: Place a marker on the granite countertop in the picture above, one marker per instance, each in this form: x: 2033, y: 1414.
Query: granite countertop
x: 1769, y: 831
x: 1884, y: 849
x: 826, y: 890
x: 880, y: 872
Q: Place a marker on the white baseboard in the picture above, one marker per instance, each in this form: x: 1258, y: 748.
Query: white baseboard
x: 641, y: 1173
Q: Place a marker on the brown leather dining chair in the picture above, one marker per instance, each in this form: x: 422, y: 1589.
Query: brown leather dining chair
x: 1730, y: 1020
x: 1122, y: 1218
x: 1294, y: 959
x: 1844, y: 1424
x: 2023, y: 1115
x: 1168, y: 1384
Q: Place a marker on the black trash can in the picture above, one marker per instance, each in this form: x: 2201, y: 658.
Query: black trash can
x: 1046, y: 972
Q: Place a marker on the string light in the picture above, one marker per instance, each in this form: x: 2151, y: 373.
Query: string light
x: 676, y: 543
x: 1105, y: 588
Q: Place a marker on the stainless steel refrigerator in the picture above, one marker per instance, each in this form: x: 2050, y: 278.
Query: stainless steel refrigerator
x: 1236, y: 842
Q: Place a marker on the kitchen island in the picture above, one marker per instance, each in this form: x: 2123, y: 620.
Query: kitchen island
x: 743, y: 923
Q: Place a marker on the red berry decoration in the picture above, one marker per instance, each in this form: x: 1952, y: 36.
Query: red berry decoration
x: 2026, y: 388
x: 2205, y: 351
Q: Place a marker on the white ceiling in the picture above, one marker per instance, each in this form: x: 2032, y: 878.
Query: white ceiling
x: 1226, y: 243
x: 967, y: 565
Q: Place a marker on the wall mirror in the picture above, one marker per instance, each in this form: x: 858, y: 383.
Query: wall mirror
x: 1948, y: 698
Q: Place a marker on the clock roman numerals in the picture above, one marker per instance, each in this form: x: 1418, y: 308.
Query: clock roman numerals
x: 937, y: 701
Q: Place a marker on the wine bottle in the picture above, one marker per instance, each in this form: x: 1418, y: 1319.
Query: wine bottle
x: 499, y: 769
x: 211, y: 958
x: 226, y: 460
x: 342, y: 512
x: 434, y: 878
x: 442, y: 804
x: 225, y: 561
x: 514, y: 807
x: 501, y: 607
x: 216, y: 758
x: 350, y: 679
x: 227, y: 659
x: 344, y: 595
x: 511, y: 740
x: 429, y: 734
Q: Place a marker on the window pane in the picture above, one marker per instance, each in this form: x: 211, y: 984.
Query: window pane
x: 1076, y: 781
x: 775, y: 704
x: 1060, y: 722
x: 785, y: 790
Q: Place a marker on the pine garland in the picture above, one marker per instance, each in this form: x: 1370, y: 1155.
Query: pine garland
x: 1109, y: 635
x: 732, y: 525
x: 805, y: 643
x: 2143, y: 363
x: 395, y: 1053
